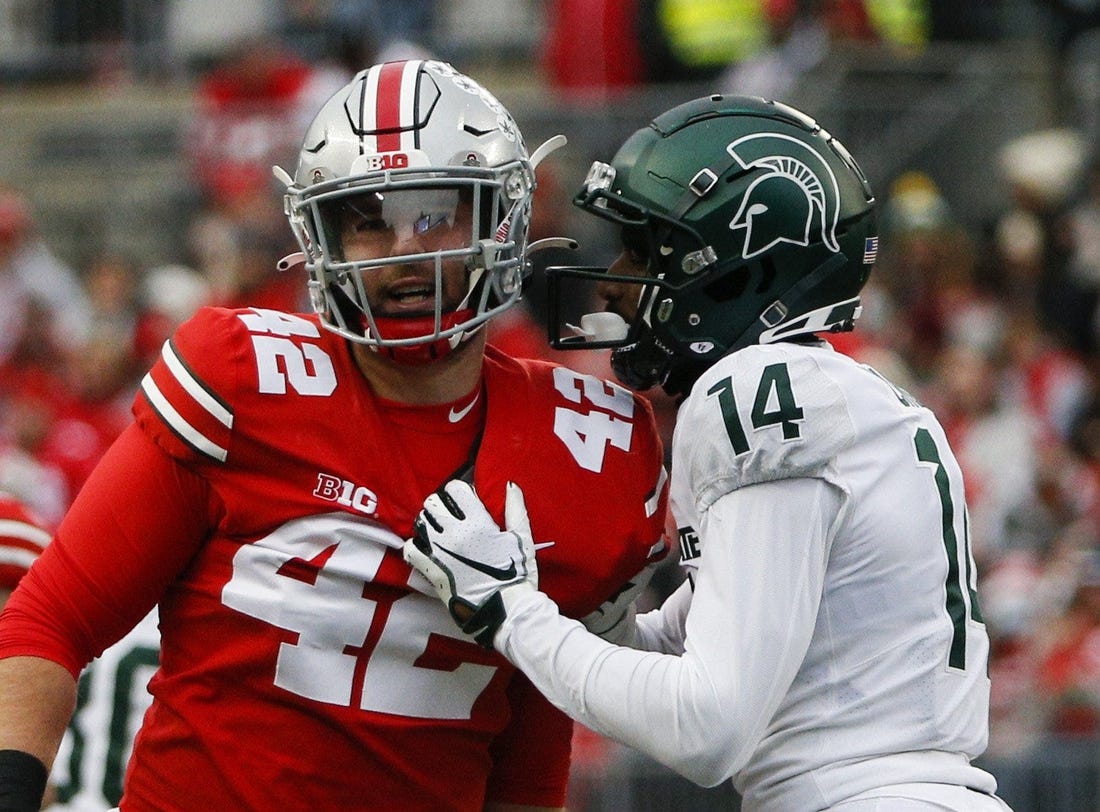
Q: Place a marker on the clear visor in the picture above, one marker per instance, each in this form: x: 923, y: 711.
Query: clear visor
x: 403, y: 223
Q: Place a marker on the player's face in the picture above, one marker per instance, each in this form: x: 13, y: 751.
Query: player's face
x: 409, y: 226
x: 623, y: 298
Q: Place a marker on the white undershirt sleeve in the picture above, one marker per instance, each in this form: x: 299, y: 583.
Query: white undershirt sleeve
x: 748, y: 626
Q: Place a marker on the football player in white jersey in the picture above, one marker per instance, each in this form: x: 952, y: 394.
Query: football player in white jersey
x: 826, y: 651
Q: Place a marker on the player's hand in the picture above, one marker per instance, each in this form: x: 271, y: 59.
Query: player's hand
x: 474, y: 566
x: 613, y: 620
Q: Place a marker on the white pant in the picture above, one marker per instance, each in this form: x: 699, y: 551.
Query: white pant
x: 921, y: 798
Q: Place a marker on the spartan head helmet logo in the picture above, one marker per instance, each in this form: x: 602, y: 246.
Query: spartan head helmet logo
x: 794, y: 198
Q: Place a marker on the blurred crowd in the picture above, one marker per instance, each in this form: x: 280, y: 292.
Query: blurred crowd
x: 996, y: 327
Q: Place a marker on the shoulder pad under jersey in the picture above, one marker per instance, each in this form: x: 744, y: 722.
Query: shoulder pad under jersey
x: 761, y: 414
x: 212, y: 368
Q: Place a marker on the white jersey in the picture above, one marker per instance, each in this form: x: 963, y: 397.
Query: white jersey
x: 833, y: 643
x: 112, y: 699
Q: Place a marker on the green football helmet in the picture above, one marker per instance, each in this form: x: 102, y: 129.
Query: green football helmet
x: 756, y: 224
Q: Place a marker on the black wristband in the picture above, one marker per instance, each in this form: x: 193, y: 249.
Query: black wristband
x: 22, y: 781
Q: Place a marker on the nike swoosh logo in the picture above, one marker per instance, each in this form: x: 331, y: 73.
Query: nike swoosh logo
x: 500, y: 573
x: 457, y: 414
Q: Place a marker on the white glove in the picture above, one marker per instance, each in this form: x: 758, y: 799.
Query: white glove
x: 613, y: 620
x: 474, y: 566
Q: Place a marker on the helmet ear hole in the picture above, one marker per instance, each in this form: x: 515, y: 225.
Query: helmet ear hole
x: 767, y: 275
x: 729, y: 286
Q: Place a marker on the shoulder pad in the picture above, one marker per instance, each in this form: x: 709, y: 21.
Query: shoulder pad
x: 764, y: 413
x: 185, y: 401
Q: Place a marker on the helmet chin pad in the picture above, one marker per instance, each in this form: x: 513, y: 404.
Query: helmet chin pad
x: 426, y: 352
x: 643, y: 364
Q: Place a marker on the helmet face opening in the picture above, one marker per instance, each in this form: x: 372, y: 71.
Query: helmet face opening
x: 411, y: 252
x: 753, y: 225
x: 411, y: 204
x: 645, y: 236
x: 402, y: 225
x: 596, y: 329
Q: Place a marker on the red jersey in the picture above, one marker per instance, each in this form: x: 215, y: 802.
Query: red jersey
x: 304, y: 665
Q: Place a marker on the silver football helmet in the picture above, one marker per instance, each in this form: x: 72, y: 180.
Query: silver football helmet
x: 416, y: 167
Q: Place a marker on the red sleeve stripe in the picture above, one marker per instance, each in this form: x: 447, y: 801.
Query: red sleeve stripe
x: 179, y: 426
x: 15, y: 529
x: 192, y: 386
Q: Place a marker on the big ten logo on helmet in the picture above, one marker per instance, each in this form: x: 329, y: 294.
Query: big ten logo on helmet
x: 342, y: 492
x: 689, y: 543
x: 385, y: 160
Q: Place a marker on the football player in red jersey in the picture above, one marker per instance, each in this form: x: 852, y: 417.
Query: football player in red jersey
x: 276, y: 464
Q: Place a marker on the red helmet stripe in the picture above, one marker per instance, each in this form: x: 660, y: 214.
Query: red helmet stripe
x: 390, y: 98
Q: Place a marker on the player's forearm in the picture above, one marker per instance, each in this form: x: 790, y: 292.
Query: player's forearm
x: 662, y: 629
x: 701, y: 713
x: 658, y: 704
x: 37, y: 698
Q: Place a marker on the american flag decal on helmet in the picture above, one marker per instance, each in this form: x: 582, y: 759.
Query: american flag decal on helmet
x: 870, y: 250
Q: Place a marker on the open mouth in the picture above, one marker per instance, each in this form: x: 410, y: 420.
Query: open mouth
x: 411, y: 295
